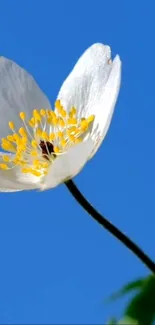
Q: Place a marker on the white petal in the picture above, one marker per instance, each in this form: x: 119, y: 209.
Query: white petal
x: 18, y: 92
x: 106, y: 104
x: 13, y: 180
x: 92, y: 87
x: 68, y: 165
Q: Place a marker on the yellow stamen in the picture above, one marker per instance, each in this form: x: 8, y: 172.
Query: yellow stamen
x: 32, y: 122
x: 11, y: 125
x: 55, y: 121
x: 52, y: 136
x: 6, y: 158
x: 72, y: 112
x: 72, y: 121
x: 90, y: 119
x: 42, y: 112
x: 60, y: 108
x: 58, y: 104
x: 34, y: 144
x: 34, y: 153
x: 3, y: 166
x: 49, y: 120
x: 36, y: 172
x: 56, y: 149
x: 71, y: 137
x: 77, y: 132
x: 63, y: 113
x: 84, y: 125
x: 73, y: 131
x: 38, y: 132
x: 36, y: 115
x: 44, y: 135
x: 77, y: 140
x: 31, y: 171
x: 63, y: 143
x: 52, y: 114
x: 61, y: 122
x: 44, y: 165
x: 24, y: 140
x: 10, y: 138
x: 16, y: 138
x: 36, y: 163
x: 22, y: 115
x: 8, y: 146
x: 60, y: 134
x: 48, y: 112
x: 22, y: 132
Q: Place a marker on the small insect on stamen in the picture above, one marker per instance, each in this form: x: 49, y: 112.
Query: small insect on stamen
x: 109, y: 61
x: 47, y: 148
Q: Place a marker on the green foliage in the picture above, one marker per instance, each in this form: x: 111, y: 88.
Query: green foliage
x: 131, y: 286
x: 128, y: 321
x: 124, y: 321
x: 112, y: 321
x: 141, y: 308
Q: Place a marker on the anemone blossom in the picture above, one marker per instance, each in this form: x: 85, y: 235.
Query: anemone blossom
x: 41, y: 147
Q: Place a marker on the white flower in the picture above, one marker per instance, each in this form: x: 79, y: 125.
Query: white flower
x: 43, y: 147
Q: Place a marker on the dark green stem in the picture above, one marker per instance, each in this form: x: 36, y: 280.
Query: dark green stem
x: 109, y: 226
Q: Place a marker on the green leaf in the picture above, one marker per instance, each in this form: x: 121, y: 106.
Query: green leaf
x: 134, y: 285
x: 142, y: 306
x: 112, y: 321
x: 128, y: 321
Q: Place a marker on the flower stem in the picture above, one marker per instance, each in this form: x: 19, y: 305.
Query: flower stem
x: 109, y: 226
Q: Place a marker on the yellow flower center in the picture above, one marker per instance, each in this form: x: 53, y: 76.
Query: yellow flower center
x: 42, y: 138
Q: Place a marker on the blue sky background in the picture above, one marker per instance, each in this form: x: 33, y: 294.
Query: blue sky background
x: 57, y: 265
